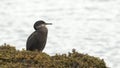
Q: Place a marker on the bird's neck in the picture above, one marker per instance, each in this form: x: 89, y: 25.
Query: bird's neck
x: 42, y: 29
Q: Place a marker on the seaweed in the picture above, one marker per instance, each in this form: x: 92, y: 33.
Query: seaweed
x: 12, y: 58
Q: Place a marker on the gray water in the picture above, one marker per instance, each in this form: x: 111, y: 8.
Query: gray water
x: 89, y: 26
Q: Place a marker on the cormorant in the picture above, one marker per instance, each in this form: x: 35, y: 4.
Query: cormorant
x: 37, y: 40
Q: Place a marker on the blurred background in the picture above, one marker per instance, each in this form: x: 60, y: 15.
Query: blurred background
x: 89, y: 26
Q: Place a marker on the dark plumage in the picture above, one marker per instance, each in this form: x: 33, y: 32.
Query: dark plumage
x: 37, y: 40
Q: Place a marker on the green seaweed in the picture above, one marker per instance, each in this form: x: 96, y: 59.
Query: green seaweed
x: 12, y: 58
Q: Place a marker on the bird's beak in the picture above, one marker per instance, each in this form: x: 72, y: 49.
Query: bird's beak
x: 48, y: 23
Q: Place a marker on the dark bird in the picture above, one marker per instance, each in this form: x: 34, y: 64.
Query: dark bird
x: 37, y: 40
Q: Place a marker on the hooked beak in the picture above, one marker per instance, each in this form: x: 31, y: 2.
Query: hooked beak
x: 48, y: 23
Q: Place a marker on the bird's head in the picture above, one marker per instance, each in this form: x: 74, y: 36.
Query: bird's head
x: 40, y: 24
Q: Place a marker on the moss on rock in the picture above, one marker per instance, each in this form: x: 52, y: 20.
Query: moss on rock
x: 12, y: 58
